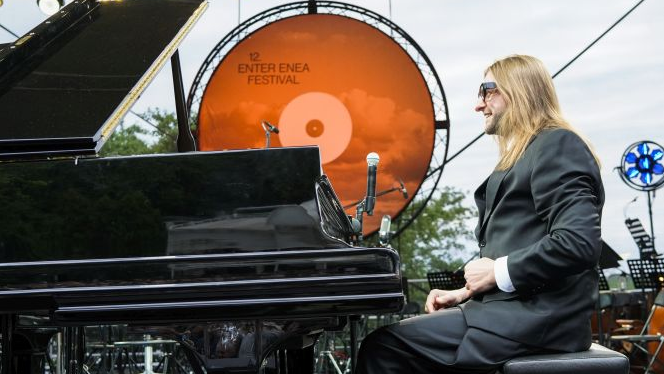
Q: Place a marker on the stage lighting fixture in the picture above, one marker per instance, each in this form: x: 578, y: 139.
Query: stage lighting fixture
x: 642, y: 167
x: 50, y: 7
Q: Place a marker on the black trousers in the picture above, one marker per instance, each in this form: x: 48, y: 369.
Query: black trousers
x: 435, y: 343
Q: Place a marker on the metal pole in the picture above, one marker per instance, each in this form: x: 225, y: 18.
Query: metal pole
x: 652, y: 228
x: 185, y: 140
x: 267, y: 139
x: 59, y: 368
x: 147, y: 355
x: 68, y: 344
x: 353, y: 342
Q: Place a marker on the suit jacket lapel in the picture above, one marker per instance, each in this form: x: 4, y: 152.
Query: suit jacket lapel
x: 492, y: 187
x: 480, y: 201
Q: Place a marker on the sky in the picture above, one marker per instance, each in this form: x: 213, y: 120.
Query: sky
x: 613, y: 94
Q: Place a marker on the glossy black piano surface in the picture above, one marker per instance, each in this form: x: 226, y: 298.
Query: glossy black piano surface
x: 67, y: 83
x: 184, y: 239
x: 125, y: 239
x: 230, y: 255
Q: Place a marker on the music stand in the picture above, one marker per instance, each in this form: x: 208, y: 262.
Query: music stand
x: 603, y: 284
x: 647, y: 273
x: 446, y: 280
x: 641, y: 238
x: 608, y: 258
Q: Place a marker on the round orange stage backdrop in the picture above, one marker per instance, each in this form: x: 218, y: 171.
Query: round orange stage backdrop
x: 331, y: 81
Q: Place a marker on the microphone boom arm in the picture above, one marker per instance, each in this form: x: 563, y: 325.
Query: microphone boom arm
x: 378, y: 194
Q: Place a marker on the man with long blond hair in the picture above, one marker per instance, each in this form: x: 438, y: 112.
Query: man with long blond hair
x: 534, y: 286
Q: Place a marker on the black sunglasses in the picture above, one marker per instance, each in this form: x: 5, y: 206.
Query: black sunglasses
x: 484, y: 87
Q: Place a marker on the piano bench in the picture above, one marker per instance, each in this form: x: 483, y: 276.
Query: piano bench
x: 596, y: 360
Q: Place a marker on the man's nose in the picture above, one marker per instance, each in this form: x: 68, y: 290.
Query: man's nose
x: 479, y: 107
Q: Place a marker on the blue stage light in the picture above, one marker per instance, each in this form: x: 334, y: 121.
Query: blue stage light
x: 641, y: 166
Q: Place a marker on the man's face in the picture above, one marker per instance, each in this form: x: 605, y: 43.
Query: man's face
x: 491, y: 103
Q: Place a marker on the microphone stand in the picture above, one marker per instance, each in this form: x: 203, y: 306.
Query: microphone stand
x: 359, y: 214
x: 267, y: 135
x: 365, y: 206
x: 378, y: 194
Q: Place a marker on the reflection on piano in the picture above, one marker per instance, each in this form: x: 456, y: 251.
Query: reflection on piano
x: 242, y: 257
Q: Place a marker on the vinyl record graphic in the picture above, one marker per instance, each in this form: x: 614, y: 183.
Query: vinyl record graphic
x: 317, y: 118
x: 332, y: 81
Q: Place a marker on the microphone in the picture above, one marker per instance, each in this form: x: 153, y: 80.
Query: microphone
x: 356, y: 225
x: 403, y: 190
x: 372, y: 165
x: 384, y: 231
x: 268, y: 127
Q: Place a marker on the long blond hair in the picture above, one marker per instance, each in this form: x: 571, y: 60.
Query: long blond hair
x: 532, y: 106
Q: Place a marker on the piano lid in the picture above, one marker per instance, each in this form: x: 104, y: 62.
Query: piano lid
x: 66, y: 84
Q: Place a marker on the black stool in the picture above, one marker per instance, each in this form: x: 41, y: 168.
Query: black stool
x: 596, y: 360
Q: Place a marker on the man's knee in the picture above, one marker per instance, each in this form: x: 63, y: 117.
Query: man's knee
x: 372, y: 340
x: 381, y: 341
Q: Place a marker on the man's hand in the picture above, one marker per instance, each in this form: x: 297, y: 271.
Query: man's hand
x: 440, y: 299
x: 480, y: 276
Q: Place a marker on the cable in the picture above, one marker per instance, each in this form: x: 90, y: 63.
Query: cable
x: 9, y: 31
x: 153, y: 125
x: 464, y: 148
x: 555, y: 75
x: 598, y: 38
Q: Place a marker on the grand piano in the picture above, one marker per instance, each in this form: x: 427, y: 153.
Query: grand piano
x: 234, y: 256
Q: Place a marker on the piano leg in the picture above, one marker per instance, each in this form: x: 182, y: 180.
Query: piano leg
x: 80, y: 348
x: 300, y: 361
x: 258, y: 344
x: 7, y: 330
x: 281, y: 361
x: 196, y: 364
x: 74, y: 350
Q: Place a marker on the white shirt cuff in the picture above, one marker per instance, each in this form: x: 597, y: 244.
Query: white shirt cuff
x: 503, y: 280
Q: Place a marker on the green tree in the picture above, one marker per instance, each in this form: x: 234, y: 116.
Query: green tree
x: 125, y: 141
x: 164, y: 129
x: 435, y: 239
x: 131, y: 140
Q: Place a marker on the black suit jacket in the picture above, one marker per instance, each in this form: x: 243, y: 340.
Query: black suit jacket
x: 544, y: 214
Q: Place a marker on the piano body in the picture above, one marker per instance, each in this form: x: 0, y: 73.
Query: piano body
x: 234, y: 256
